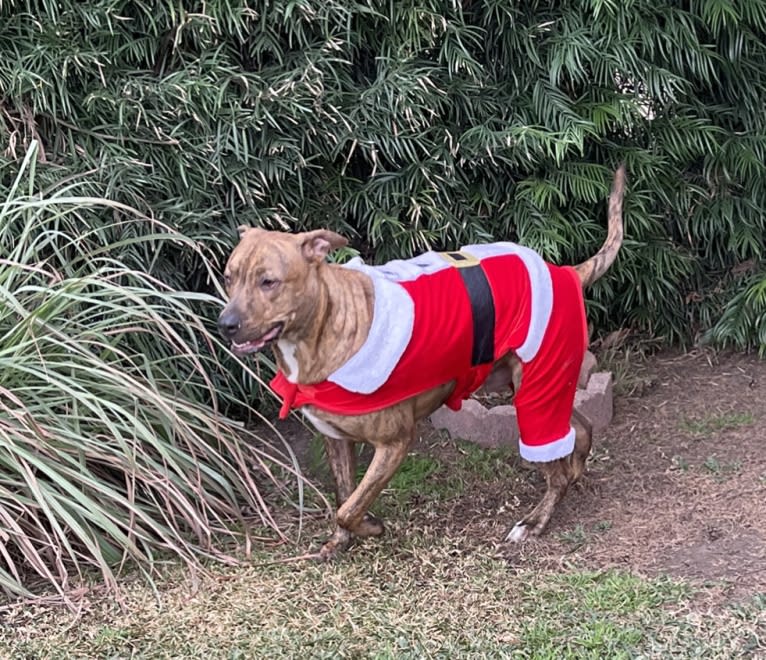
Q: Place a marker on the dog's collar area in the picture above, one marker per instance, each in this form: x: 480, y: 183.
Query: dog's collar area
x: 288, y: 392
x: 393, y: 318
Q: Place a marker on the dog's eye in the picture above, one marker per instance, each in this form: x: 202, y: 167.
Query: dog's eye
x: 267, y: 283
x: 226, y: 280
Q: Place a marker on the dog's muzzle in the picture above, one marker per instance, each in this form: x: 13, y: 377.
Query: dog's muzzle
x: 230, y: 327
x: 229, y: 323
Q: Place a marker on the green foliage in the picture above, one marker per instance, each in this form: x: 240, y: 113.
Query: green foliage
x: 743, y: 322
x: 114, y: 445
x: 411, y: 125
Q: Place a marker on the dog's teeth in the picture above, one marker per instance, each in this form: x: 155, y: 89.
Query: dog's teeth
x: 519, y: 533
x: 245, y: 347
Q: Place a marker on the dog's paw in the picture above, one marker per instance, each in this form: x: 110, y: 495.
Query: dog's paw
x: 519, y: 533
x: 327, y: 553
x: 336, y: 544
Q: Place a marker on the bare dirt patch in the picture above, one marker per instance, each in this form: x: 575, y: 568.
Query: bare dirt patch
x: 681, y: 473
x: 677, y: 483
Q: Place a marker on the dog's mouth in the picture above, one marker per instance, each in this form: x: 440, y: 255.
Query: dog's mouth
x: 255, y: 345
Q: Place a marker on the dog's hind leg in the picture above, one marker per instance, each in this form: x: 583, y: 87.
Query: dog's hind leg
x: 352, y: 518
x: 559, y: 474
x: 583, y: 442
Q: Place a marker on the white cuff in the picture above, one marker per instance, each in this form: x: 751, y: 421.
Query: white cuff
x: 550, y: 451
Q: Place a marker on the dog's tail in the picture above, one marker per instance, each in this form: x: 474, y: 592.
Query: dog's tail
x: 590, y: 270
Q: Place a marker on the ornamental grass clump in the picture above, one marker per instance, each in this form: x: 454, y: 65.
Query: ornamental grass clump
x: 115, y: 447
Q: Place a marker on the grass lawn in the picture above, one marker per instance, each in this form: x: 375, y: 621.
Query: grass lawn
x: 425, y: 597
x: 658, y: 554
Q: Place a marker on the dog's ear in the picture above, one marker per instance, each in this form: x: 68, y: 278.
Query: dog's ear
x: 242, y: 230
x: 316, y: 245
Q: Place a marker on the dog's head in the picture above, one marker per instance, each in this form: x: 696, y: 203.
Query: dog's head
x: 272, y: 283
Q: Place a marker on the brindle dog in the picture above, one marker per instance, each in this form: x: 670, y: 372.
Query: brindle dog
x: 317, y: 315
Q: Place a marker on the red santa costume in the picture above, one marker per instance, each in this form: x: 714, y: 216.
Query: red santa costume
x: 443, y: 317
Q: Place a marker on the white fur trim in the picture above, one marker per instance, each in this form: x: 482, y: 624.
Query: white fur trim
x: 402, y: 270
x: 548, y: 452
x: 393, y: 317
x: 541, y: 286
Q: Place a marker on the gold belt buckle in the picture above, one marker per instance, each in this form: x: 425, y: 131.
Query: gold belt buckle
x: 459, y: 259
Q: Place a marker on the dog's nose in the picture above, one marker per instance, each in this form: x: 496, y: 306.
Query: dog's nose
x: 228, y: 323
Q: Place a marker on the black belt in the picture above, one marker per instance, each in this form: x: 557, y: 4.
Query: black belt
x: 482, y: 305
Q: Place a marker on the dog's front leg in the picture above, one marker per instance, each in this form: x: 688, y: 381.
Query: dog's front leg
x: 341, y: 454
x: 558, y: 476
x: 342, y: 459
x: 352, y: 518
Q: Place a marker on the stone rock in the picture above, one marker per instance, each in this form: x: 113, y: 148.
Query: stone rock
x: 493, y: 427
x: 596, y: 402
x: 588, y: 365
x: 497, y: 427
